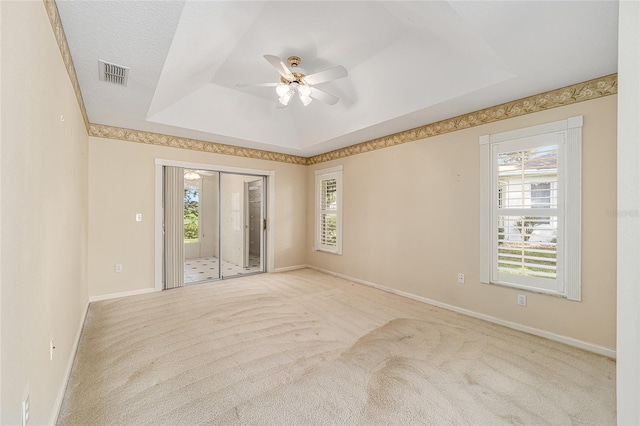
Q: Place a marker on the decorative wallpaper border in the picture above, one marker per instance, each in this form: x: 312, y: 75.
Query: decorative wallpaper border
x: 580, y: 92
x: 130, y: 135
x: 61, y: 38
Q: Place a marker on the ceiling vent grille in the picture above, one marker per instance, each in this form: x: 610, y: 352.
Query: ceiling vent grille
x: 116, y: 74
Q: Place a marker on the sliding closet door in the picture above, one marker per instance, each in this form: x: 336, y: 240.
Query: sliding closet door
x: 201, y: 226
x: 173, y: 227
x: 241, y: 224
x: 213, y: 225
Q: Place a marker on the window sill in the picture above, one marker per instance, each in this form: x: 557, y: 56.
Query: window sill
x: 528, y: 289
x: 336, y: 252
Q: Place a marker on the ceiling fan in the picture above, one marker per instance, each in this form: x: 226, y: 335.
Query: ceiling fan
x: 190, y: 174
x: 297, y: 82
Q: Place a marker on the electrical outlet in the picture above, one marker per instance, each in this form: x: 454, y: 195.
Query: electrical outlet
x: 118, y: 267
x: 138, y: 217
x: 522, y: 300
x: 460, y: 278
x: 26, y: 407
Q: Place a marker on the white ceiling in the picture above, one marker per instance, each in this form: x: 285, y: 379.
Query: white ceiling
x: 409, y: 63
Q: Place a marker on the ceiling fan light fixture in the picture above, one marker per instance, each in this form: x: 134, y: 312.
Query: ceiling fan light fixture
x: 284, y: 99
x: 281, y: 89
x: 306, y: 99
x: 293, y: 88
x: 304, y: 90
x: 191, y: 175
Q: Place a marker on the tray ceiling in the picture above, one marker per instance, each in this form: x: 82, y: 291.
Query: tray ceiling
x: 409, y: 63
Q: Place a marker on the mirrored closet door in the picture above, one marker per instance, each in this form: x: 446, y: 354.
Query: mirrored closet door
x: 214, y: 225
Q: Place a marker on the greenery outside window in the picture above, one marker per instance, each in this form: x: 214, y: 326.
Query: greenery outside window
x: 191, y: 212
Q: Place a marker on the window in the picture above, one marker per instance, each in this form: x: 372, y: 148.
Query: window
x: 530, y: 208
x: 541, y: 194
x: 541, y: 197
x: 329, y: 210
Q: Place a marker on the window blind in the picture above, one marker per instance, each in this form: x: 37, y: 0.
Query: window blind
x: 328, y: 195
x: 328, y: 208
x: 527, y: 214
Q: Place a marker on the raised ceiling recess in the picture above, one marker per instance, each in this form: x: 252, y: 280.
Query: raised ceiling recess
x: 409, y: 64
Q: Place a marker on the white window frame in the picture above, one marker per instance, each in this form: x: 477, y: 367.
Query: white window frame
x: 322, y: 175
x: 569, y: 135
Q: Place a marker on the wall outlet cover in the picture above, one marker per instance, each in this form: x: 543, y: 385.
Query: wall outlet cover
x: 522, y: 300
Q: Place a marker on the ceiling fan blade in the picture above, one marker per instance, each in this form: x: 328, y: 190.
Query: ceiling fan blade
x: 324, y: 96
x: 258, y: 85
x: 279, y: 66
x: 326, y: 75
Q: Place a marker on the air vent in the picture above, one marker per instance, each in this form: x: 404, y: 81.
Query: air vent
x: 116, y: 74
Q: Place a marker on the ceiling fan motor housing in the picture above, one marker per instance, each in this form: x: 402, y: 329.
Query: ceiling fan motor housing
x: 294, y: 61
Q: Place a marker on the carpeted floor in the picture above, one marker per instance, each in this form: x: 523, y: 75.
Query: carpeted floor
x: 307, y: 348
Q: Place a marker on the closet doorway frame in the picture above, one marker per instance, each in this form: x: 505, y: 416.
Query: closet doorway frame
x: 269, y: 175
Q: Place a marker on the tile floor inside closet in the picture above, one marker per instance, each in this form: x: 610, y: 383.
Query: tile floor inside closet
x: 206, y: 269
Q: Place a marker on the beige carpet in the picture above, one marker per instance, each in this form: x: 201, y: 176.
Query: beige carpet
x: 306, y: 348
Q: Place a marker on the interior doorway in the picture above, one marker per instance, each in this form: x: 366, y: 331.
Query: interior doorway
x: 217, y: 230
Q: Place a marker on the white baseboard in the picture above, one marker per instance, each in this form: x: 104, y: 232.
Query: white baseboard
x: 601, y: 350
x: 123, y: 294
x: 290, y: 268
x: 67, y: 372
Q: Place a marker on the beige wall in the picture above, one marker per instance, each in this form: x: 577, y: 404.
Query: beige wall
x: 44, y: 214
x: 122, y: 183
x: 411, y: 223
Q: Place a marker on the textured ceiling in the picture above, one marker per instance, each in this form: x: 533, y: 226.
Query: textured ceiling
x: 409, y: 63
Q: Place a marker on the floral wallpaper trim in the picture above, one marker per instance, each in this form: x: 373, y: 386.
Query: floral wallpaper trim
x: 130, y: 135
x: 588, y: 90
x: 61, y: 38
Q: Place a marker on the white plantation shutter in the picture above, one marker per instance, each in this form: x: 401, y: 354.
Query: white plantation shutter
x: 526, y: 212
x: 329, y: 210
x: 530, y: 208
